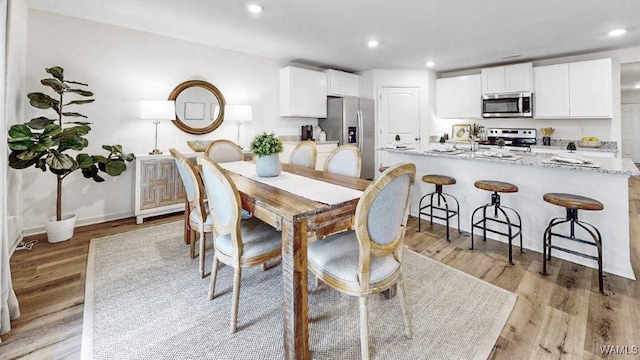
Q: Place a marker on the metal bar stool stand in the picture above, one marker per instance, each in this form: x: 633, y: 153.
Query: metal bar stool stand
x: 513, y: 229
x: 441, y: 197
x: 573, y: 203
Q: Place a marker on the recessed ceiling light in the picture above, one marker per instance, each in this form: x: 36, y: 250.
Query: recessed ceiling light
x: 372, y: 44
x: 430, y: 63
x: 638, y: 86
x: 617, y: 32
x: 255, y: 8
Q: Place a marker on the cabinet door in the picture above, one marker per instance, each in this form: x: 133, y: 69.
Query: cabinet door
x: 470, y: 96
x: 447, y: 98
x: 590, y: 85
x: 303, y: 93
x: 157, y: 183
x: 518, y: 77
x: 340, y: 83
x: 493, y: 80
x: 551, y: 95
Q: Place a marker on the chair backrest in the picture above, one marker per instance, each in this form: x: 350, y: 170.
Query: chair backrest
x: 304, y: 154
x: 382, y: 212
x: 344, y: 160
x: 191, y: 181
x: 224, y: 151
x: 224, y: 201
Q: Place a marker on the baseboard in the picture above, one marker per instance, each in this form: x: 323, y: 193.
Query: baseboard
x: 81, y: 222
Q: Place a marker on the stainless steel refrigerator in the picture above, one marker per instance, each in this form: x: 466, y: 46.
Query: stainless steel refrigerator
x: 350, y: 120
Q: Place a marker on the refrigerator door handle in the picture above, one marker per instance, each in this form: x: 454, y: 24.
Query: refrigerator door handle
x: 360, y: 128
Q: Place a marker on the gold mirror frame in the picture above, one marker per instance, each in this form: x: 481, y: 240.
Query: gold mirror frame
x: 207, y: 86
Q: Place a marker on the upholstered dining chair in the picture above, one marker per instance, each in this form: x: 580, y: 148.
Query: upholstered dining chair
x: 304, y: 154
x: 368, y: 260
x: 195, y: 208
x: 237, y: 243
x: 344, y: 160
x: 224, y: 151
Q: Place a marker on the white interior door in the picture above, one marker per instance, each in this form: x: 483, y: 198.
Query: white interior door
x: 631, y: 131
x: 398, y: 114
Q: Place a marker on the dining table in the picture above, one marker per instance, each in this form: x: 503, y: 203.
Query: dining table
x: 301, y: 220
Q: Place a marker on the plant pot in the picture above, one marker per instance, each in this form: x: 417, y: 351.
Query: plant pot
x: 268, y: 166
x: 546, y: 140
x: 62, y: 230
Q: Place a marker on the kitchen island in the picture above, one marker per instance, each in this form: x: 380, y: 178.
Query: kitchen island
x: 535, y: 175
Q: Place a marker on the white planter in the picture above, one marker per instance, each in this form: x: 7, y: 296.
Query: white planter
x: 268, y: 166
x: 62, y: 230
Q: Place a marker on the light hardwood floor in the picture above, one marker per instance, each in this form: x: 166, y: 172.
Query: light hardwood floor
x: 558, y: 316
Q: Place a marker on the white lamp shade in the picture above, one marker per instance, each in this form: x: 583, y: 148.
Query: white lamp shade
x: 239, y: 113
x: 157, y: 110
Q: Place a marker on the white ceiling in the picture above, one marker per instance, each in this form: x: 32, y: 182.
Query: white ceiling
x: 455, y: 35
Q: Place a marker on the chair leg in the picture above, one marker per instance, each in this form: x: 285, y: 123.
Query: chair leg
x: 263, y: 267
x: 214, y: 273
x: 236, y: 297
x: 364, y: 328
x: 408, y: 331
x: 201, y: 255
x: 192, y: 243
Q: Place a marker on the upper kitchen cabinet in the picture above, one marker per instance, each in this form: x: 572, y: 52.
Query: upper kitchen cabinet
x: 506, y: 79
x: 303, y: 93
x: 459, y: 97
x: 574, y: 90
x: 340, y: 83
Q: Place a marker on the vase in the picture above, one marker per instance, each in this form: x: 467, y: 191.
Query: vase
x: 546, y: 140
x: 268, y: 166
x: 62, y: 230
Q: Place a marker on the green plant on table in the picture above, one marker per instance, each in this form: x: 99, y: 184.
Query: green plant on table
x: 571, y: 146
x: 501, y: 143
x: 397, y: 137
x: 442, y: 140
x: 44, y: 142
x: 266, y: 144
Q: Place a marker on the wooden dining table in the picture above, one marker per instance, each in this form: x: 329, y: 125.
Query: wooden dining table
x: 301, y: 220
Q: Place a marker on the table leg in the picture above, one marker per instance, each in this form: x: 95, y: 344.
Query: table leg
x: 295, y: 302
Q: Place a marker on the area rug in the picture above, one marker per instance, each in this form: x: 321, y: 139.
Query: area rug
x: 145, y: 300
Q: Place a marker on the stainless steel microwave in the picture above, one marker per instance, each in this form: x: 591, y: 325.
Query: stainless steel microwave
x: 508, y: 105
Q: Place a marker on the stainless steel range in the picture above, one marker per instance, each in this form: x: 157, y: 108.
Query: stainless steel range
x: 512, y: 137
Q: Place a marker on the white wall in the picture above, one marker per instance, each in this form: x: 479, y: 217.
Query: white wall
x: 631, y: 97
x: 15, y: 108
x: 123, y: 66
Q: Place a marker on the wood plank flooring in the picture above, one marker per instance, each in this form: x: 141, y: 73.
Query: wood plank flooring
x: 558, y: 316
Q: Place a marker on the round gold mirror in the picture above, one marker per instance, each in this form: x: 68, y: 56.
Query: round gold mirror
x: 199, y: 107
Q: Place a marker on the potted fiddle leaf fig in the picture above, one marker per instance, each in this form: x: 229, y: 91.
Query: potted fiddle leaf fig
x: 267, y: 147
x: 45, y: 143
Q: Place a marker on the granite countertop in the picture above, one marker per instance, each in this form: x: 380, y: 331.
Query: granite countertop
x: 617, y: 166
x: 578, y: 148
x: 317, y: 142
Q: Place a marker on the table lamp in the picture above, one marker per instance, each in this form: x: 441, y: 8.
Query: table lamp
x: 157, y: 110
x: 239, y: 114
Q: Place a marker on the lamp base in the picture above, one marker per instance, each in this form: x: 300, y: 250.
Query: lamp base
x: 155, y: 152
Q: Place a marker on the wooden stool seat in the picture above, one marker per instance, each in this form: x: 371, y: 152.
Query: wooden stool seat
x: 497, y: 186
x: 439, y: 179
x: 571, y: 201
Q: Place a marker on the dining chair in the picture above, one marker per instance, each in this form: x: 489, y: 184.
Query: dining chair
x: 224, y: 151
x: 237, y: 243
x: 195, y: 208
x: 304, y: 154
x: 344, y: 160
x: 368, y: 260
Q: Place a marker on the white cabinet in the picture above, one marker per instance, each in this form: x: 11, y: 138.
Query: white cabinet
x: 580, y: 90
x: 459, y: 97
x: 551, y: 95
x: 506, y: 79
x: 340, y: 83
x: 323, y: 151
x: 303, y: 93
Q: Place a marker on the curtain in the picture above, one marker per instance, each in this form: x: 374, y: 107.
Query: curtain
x: 9, y: 309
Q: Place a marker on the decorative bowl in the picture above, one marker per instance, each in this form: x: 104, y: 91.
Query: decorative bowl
x: 198, y: 145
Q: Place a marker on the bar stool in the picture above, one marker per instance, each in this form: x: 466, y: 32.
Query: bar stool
x: 497, y: 187
x: 439, y: 181
x: 573, y: 203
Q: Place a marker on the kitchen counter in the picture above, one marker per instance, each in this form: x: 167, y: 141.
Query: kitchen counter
x: 317, y: 142
x: 608, y: 184
x: 578, y: 148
